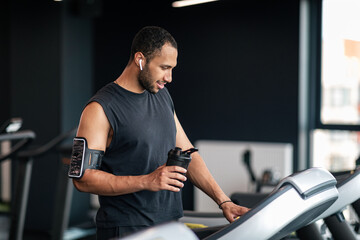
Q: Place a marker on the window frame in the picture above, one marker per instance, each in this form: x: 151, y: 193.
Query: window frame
x: 316, y: 75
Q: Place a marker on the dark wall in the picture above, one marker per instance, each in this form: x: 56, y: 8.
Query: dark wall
x: 50, y: 72
x: 35, y: 66
x: 237, y: 72
x: 4, y: 61
x: 35, y: 96
x: 76, y: 83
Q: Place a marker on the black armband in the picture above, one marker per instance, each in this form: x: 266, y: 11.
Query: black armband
x: 83, y: 158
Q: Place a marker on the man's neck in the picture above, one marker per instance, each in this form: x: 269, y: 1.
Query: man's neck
x: 129, y: 80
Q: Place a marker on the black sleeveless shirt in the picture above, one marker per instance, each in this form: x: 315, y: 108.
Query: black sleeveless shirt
x: 144, y: 132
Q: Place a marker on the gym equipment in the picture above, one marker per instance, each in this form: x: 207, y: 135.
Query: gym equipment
x: 224, y: 160
x: 251, y: 199
x: 19, y: 199
x: 241, y: 198
x: 196, y: 219
x: 295, y: 202
x: 172, y: 230
x: 349, y: 193
x: 267, y: 178
x: 25, y: 160
x: 11, y: 125
x: 203, y: 219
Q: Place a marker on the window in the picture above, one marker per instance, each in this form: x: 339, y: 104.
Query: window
x: 336, y: 141
x: 340, y: 63
x: 335, y: 150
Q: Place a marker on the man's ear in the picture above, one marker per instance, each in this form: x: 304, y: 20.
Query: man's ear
x: 140, y: 60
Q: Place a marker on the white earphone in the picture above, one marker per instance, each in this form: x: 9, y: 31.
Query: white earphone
x: 140, y: 64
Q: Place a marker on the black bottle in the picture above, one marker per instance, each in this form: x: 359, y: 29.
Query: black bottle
x: 177, y: 157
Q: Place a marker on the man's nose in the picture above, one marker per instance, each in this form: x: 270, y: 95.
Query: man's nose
x: 168, y: 76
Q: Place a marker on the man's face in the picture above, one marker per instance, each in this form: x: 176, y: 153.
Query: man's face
x: 158, y: 71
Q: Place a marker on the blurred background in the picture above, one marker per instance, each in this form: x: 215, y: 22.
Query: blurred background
x: 274, y: 71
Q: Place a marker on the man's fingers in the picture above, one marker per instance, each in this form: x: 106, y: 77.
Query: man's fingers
x: 177, y: 169
x: 173, y: 189
x: 168, y: 178
x: 176, y: 183
x: 234, y: 212
x: 178, y: 176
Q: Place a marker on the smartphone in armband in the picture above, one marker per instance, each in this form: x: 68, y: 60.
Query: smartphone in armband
x: 83, y: 158
x: 77, y: 158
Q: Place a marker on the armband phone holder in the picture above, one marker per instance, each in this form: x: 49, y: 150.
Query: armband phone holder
x: 83, y: 158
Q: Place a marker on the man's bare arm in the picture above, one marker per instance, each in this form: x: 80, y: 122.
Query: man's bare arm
x: 201, y: 177
x: 198, y: 173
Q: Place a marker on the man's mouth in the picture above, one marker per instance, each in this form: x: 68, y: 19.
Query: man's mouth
x: 160, y: 84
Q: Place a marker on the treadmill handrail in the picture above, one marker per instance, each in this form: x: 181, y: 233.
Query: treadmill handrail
x: 25, y: 134
x: 25, y: 138
x: 345, y: 178
x: 189, y: 213
x: 322, y: 200
x: 348, y: 193
x: 309, y: 186
x: 273, y: 195
x: 48, y: 146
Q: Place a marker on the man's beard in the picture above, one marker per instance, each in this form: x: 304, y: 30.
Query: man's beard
x: 145, y: 80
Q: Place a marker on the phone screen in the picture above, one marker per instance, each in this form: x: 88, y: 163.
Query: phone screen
x: 77, y: 156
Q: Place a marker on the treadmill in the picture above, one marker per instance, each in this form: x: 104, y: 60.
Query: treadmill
x: 349, y: 193
x: 294, y: 203
x: 21, y: 188
x: 24, y: 160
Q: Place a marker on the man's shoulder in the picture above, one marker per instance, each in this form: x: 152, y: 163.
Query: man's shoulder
x: 94, y: 107
x: 107, y: 89
x: 105, y: 93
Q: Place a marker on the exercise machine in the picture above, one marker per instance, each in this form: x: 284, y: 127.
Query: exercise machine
x: 24, y: 160
x: 294, y: 203
x: 22, y: 179
x: 349, y: 193
x: 166, y: 231
x: 196, y: 219
x: 267, y: 179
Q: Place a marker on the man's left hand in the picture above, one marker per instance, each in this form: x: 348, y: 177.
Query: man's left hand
x: 233, y: 211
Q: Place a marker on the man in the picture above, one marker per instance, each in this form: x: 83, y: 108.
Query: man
x: 133, y: 120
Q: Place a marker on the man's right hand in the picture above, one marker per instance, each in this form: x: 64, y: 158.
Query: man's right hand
x: 166, y: 178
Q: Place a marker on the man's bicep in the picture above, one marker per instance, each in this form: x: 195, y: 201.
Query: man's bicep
x: 182, y: 140
x: 94, y: 126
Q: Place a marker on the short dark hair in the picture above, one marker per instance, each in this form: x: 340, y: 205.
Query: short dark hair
x: 149, y: 41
